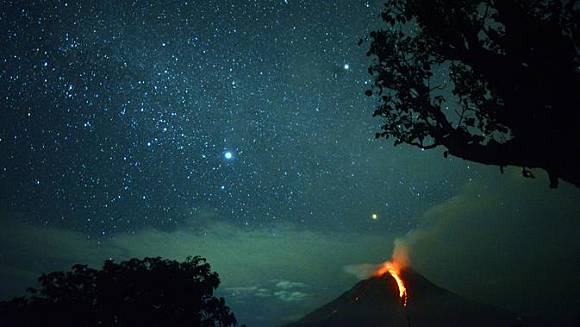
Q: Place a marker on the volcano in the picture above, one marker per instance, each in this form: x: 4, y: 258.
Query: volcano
x: 377, y: 302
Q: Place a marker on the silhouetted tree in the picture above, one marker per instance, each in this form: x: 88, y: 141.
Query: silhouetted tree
x: 492, y: 81
x: 148, y: 292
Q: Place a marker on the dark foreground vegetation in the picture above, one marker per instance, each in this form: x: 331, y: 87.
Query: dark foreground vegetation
x: 491, y: 81
x: 147, y: 292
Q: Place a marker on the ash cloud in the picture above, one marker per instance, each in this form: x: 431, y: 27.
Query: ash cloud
x: 504, y: 240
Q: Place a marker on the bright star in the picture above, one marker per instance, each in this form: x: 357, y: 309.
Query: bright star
x: 374, y: 216
x: 346, y: 66
x: 228, y: 155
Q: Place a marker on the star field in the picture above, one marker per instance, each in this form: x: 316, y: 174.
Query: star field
x: 128, y: 114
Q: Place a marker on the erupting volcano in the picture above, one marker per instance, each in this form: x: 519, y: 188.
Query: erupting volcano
x: 398, y: 296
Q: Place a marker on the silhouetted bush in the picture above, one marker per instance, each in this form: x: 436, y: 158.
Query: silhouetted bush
x: 147, y: 292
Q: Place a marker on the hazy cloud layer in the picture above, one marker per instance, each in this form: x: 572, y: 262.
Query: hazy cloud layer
x: 501, y: 240
x: 282, y: 272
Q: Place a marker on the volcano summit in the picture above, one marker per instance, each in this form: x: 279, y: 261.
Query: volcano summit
x: 377, y: 302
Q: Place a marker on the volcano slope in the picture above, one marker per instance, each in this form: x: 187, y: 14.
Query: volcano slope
x: 376, y: 302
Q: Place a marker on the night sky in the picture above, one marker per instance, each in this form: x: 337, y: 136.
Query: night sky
x: 239, y: 130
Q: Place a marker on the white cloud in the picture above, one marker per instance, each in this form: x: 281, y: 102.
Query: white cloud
x: 286, y: 284
x: 361, y: 270
x: 244, y: 292
x: 290, y: 296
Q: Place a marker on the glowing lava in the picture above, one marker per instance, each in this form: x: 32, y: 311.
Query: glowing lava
x: 394, y: 270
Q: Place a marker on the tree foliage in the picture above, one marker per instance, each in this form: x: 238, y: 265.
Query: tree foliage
x: 492, y: 81
x: 148, y: 292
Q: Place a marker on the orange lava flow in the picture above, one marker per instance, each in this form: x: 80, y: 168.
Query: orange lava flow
x: 394, y: 270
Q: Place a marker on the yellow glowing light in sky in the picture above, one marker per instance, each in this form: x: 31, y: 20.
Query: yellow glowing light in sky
x: 375, y: 216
